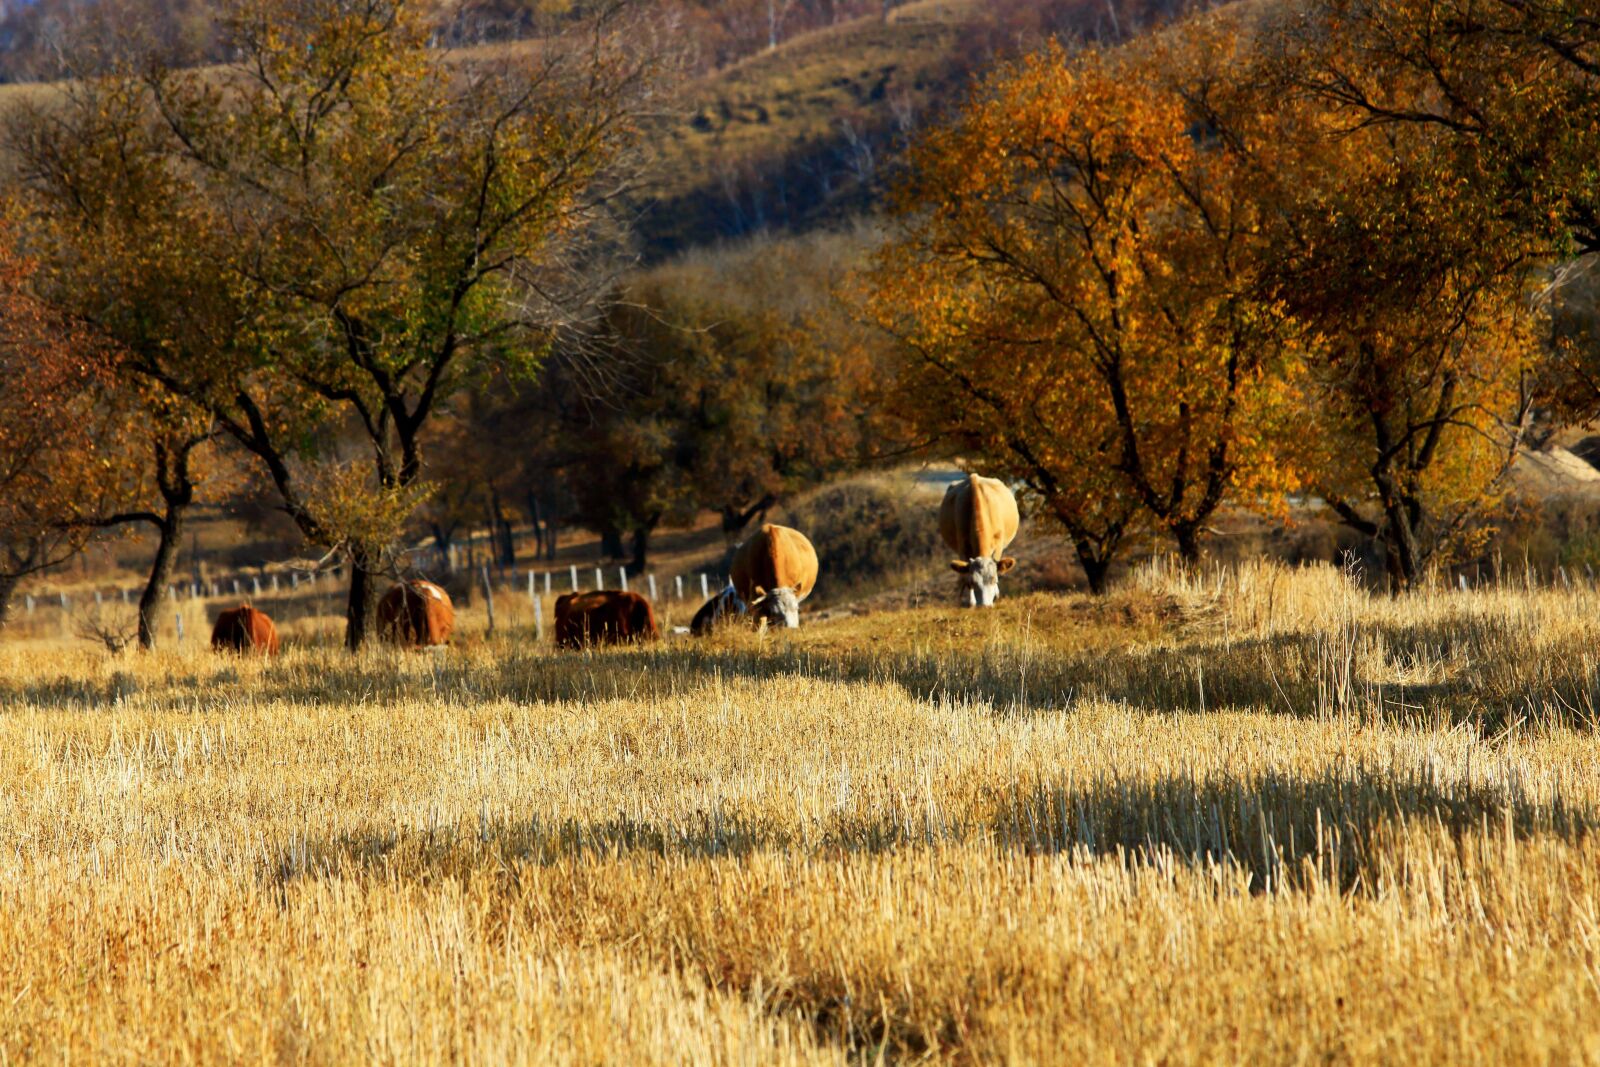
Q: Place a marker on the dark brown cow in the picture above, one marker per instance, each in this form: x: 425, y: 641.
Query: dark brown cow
x: 606, y: 617
x: 244, y: 629
x: 416, y: 614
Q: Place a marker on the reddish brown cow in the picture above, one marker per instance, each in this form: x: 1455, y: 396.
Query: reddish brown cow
x: 416, y: 614
x: 606, y: 617
x: 244, y: 629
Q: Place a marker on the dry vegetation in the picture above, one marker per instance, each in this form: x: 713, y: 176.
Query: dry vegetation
x: 1257, y: 816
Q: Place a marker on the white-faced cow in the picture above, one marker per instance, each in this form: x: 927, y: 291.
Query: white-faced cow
x: 978, y: 519
x: 772, y: 572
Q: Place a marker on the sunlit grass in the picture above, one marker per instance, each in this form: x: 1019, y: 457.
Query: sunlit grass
x: 1248, y: 816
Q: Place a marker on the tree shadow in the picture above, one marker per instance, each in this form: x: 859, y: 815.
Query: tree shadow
x: 1360, y: 829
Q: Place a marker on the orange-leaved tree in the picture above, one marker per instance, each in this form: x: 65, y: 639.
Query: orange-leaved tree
x: 61, y: 457
x: 1078, y: 287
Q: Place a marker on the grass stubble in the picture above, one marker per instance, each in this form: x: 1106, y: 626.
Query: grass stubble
x: 1255, y: 815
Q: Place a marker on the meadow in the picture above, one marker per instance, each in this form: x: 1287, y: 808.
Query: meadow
x: 1255, y: 814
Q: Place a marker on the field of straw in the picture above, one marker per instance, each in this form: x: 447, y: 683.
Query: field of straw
x: 1256, y: 816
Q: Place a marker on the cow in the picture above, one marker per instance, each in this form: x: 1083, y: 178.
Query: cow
x: 244, y: 629
x: 978, y: 519
x: 416, y: 614
x: 772, y: 573
x: 716, y: 609
x: 603, y: 617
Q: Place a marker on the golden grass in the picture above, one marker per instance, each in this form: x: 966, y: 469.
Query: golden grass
x: 1253, y: 816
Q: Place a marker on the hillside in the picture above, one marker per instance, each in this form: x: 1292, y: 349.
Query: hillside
x: 799, y: 133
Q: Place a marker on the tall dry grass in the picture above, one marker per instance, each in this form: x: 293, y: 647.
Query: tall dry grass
x: 1254, y: 815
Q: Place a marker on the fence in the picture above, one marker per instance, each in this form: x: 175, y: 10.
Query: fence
x: 303, y: 595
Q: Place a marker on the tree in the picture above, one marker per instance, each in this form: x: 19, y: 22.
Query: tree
x: 59, y: 457
x: 1078, y: 283
x: 362, y: 221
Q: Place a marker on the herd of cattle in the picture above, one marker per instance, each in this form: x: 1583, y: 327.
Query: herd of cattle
x: 771, y: 573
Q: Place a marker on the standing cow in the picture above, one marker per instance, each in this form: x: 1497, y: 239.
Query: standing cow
x: 416, y: 614
x: 607, y: 616
x: 978, y: 519
x: 244, y: 629
x: 773, y: 572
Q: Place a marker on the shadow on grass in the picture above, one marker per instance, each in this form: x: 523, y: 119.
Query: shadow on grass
x: 1482, y: 672
x: 1356, y: 830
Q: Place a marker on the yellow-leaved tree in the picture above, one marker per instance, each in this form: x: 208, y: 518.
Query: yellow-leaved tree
x: 1078, y: 286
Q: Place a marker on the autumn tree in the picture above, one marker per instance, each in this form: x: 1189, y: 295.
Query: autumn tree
x: 60, y: 457
x: 360, y: 221
x: 1077, y: 287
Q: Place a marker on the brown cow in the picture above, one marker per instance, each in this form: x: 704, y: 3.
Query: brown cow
x: 772, y: 572
x: 978, y: 519
x: 604, y: 617
x: 416, y: 614
x: 244, y: 629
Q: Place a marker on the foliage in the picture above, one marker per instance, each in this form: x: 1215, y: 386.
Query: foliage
x: 1078, y: 288
x: 363, y: 224
x: 60, y: 459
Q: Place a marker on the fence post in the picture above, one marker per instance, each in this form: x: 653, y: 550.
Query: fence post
x: 177, y: 617
x: 29, y: 599
x: 678, y: 581
x: 97, y: 600
x: 194, y: 590
x: 255, y: 585
x: 64, y: 601
x: 124, y: 596
x: 652, y: 580
x: 599, y: 579
x: 546, y: 583
x: 622, y: 573
x: 538, y: 619
x: 274, y: 583
x: 236, y: 587
x: 533, y: 592
x: 574, y: 570
x: 294, y: 581
x: 704, y: 592
x: 488, y: 596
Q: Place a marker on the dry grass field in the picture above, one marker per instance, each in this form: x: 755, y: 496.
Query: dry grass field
x: 1257, y: 816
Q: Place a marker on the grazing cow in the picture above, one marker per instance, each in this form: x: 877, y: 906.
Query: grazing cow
x: 416, y: 614
x: 772, y: 572
x: 604, y: 617
x: 713, y: 611
x: 978, y: 519
x: 244, y: 629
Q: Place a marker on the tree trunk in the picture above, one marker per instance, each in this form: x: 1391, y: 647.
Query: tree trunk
x: 361, y: 611
x: 611, y: 542
x: 169, y: 538
x: 1094, y: 569
x: 1188, y: 537
x: 641, y: 549
x: 8, y: 589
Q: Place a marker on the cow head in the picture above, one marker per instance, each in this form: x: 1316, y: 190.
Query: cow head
x: 780, y: 607
x: 980, y: 579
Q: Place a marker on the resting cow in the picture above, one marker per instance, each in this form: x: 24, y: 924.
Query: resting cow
x: 604, y: 617
x: 978, y: 519
x: 416, y: 614
x: 773, y: 572
x: 244, y: 629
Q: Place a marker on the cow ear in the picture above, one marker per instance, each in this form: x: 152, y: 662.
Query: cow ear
x: 760, y: 594
x: 1006, y: 564
x: 960, y: 566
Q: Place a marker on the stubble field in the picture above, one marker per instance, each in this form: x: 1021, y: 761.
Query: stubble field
x: 1255, y: 816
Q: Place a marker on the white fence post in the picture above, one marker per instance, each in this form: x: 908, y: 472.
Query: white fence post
x: 622, y: 573
x: 64, y: 601
x: 546, y: 583
x: 236, y: 587
x: 29, y: 599
x: 294, y: 581
x: 574, y: 570
x: 177, y: 617
x: 652, y: 580
x: 599, y: 579
x: 124, y: 596
x: 255, y: 585
x: 704, y: 592
x: 538, y: 619
x: 488, y: 596
x: 533, y: 592
x: 97, y: 599
x: 678, y: 582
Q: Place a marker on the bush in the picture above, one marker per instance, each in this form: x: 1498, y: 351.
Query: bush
x: 870, y: 532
